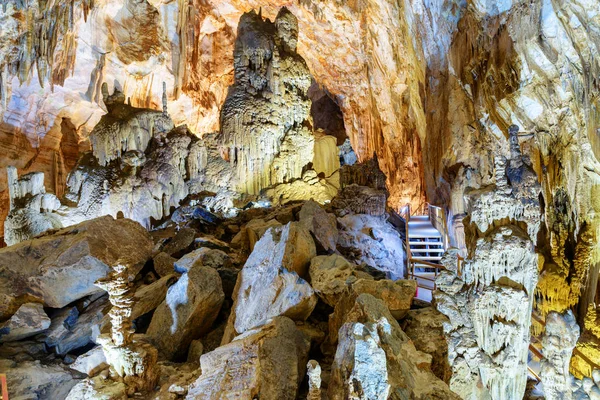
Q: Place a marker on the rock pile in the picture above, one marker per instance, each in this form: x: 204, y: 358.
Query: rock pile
x: 172, y: 331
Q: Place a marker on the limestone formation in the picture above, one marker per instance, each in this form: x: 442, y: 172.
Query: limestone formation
x: 133, y: 361
x: 313, y: 371
x: 271, y: 282
x: 558, y: 342
x: 189, y: 309
x: 262, y: 118
x: 265, y: 362
x: 60, y: 268
x: 183, y: 115
x: 30, y: 211
x: 490, y: 300
x: 29, y: 319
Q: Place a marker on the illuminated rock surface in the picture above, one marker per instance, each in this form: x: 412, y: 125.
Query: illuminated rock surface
x: 221, y: 118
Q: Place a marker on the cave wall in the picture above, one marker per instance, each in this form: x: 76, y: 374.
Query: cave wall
x: 361, y: 52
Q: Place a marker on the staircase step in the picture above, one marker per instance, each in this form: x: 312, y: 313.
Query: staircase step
x: 428, y: 258
x: 417, y: 234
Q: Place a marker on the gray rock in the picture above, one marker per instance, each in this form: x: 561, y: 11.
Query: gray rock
x: 190, y: 308
x: 91, y: 362
x: 33, y: 380
x: 29, y: 319
x: 66, y: 333
x: 321, y: 224
x: 60, y: 268
x: 265, y: 363
x: 271, y: 284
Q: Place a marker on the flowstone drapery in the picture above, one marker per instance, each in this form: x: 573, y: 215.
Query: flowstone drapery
x: 490, y: 299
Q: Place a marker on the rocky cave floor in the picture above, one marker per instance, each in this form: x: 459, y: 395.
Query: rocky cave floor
x: 186, y: 303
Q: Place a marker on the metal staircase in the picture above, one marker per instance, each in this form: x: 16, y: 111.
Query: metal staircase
x: 426, y: 242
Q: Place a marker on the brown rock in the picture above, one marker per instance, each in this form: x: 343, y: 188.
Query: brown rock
x: 425, y: 328
x: 59, y: 268
x: 190, y: 307
x: 396, y: 295
x: 321, y: 224
x: 164, y: 264
x: 266, y: 363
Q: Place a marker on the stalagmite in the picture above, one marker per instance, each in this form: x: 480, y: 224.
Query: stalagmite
x: 313, y: 371
x: 558, y: 342
x: 132, y: 360
x: 490, y: 300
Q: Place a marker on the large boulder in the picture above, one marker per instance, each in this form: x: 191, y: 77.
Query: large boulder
x: 265, y: 363
x: 34, y: 380
x: 331, y: 276
x: 373, y: 241
x: 271, y: 283
x: 425, y: 327
x: 62, y: 267
x: 396, y: 295
x: 29, y: 319
x: 321, y: 224
x: 376, y: 360
x: 189, y: 309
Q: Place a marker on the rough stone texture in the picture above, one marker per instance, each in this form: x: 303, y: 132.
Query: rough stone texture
x: 558, y: 342
x: 271, y: 283
x: 133, y: 361
x: 396, y: 295
x: 98, y: 388
x: 321, y: 224
x: 32, y: 379
x: 71, y: 329
x: 262, y: 118
x: 267, y: 362
x: 490, y: 300
x: 355, y: 199
x: 373, y: 241
x: 31, y: 207
x: 190, y: 307
x: 376, y: 360
x: 331, y: 276
x: 425, y: 327
x: 149, y: 297
x: 91, y: 362
x: 164, y: 264
x: 60, y: 268
x: 29, y: 319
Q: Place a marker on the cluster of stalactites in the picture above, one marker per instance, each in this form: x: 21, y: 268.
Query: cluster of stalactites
x: 48, y: 26
x: 126, y: 128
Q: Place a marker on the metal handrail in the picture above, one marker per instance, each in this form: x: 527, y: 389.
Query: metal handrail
x: 440, y: 219
x: 437, y: 216
x: 576, y: 351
